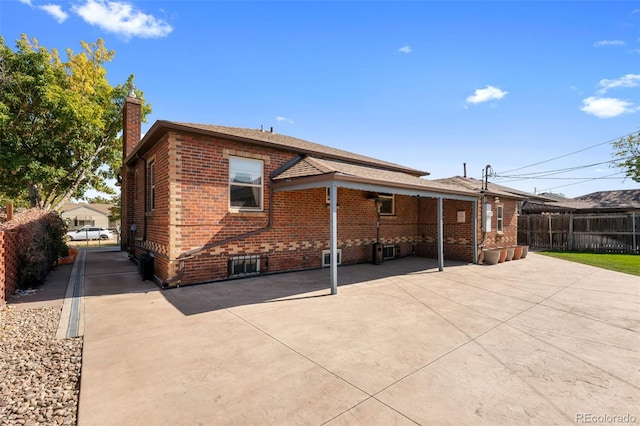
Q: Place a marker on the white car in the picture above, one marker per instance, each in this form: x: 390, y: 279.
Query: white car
x: 90, y: 233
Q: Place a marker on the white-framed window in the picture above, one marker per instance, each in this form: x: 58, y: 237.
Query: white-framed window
x: 245, y: 184
x: 387, y: 207
x: 244, y: 266
x: 326, y: 257
x: 152, y: 185
x: 499, y: 218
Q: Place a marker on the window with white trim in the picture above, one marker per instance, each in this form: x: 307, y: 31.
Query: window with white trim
x: 326, y: 257
x: 499, y: 218
x: 245, y: 184
x: 387, y: 207
x: 152, y: 185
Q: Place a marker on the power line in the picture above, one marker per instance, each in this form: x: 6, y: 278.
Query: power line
x: 576, y: 183
x: 558, y: 171
x: 571, y: 153
x: 568, y: 178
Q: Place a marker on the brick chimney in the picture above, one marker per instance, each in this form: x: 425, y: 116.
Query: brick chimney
x: 132, y: 124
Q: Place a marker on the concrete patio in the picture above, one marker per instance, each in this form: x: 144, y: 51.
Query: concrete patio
x: 534, y: 341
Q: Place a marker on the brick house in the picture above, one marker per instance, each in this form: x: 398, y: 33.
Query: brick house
x: 212, y: 203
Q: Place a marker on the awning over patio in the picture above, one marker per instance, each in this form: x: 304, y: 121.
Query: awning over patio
x: 312, y: 172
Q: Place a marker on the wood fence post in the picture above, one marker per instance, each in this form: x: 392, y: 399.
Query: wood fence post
x: 635, y: 237
x: 570, y: 236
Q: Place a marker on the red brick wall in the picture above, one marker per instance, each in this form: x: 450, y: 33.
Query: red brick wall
x: 131, y: 122
x: 458, y: 242
x: 8, y: 264
x: 200, y: 214
x: 509, y: 236
x: 192, y: 210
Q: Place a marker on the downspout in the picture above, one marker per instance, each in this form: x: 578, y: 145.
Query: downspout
x: 144, y: 225
x: 193, y: 253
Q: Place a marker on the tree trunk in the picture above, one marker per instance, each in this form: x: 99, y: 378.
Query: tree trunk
x: 34, y: 195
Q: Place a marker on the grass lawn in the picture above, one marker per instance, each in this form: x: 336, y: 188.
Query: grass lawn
x: 627, y: 263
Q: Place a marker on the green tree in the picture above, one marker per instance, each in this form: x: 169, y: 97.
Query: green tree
x: 98, y: 199
x: 60, y: 122
x: 627, y: 155
x: 115, y: 211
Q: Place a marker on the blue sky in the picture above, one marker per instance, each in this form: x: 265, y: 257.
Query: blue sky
x: 430, y: 85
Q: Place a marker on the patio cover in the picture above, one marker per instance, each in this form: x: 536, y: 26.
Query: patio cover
x: 313, y: 172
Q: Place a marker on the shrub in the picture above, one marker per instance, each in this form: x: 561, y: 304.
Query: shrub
x: 40, y: 244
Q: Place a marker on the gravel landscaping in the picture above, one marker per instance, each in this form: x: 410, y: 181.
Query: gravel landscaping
x: 39, y: 374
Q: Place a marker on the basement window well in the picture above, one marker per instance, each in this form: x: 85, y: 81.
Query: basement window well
x: 244, y: 266
x: 326, y: 257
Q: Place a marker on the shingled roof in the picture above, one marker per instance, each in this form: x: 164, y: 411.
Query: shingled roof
x: 476, y: 185
x: 601, y: 201
x: 104, y: 209
x: 266, y: 138
x: 312, y: 166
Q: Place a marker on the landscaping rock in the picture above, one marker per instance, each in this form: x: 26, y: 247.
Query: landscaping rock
x: 40, y: 380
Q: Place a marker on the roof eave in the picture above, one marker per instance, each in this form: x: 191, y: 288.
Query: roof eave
x: 325, y: 178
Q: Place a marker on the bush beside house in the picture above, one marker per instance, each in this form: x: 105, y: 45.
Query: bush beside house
x: 30, y: 245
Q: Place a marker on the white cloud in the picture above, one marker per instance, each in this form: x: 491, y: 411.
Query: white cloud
x: 281, y: 119
x: 629, y: 80
x: 55, y: 11
x: 121, y: 18
x: 405, y: 49
x: 487, y: 94
x: 607, y: 107
x: 608, y: 43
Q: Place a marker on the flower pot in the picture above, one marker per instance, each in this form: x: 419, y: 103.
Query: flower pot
x: 525, y: 250
x: 509, y: 256
x: 517, y: 252
x: 491, y: 256
x: 503, y: 254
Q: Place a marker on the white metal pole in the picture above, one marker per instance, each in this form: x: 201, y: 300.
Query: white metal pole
x: 333, y: 237
x: 440, y: 237
x: 474, y: 229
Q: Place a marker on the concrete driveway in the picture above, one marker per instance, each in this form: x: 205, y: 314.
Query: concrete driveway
x: 534, y: 341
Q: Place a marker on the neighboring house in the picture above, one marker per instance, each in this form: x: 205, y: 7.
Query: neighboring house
x: 619, y: 201
x: 211, y: 202
x: 604, y: 221
x: 78, y: 215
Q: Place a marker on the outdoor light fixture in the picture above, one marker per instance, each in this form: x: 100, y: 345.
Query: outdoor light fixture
x: 378, y: 204
x: 376, y: 198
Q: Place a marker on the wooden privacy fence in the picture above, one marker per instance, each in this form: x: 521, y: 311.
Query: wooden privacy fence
x: 608, y: 233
